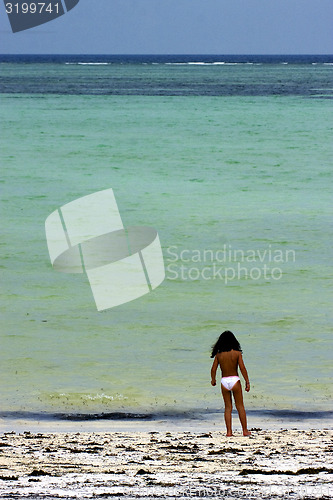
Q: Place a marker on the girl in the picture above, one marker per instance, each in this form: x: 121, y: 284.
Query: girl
x: 228, y: 354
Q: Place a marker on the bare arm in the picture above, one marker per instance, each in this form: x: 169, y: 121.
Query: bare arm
x: 213, y: 371
x: 244, y: 372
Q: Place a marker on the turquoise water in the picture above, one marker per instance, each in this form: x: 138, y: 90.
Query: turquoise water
x: 214, y: 173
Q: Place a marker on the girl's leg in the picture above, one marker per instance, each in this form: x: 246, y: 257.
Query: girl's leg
x: 227, y: 409
x: 238, y: 397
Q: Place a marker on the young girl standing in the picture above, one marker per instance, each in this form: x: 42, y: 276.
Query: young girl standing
x: 228, y: 354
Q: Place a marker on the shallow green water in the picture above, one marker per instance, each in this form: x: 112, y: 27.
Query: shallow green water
x: 209, y: 173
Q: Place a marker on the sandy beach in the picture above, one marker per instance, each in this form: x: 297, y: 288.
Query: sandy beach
x: 285, y: 463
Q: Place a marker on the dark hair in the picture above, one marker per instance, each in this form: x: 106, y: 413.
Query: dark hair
x: 226, y: 342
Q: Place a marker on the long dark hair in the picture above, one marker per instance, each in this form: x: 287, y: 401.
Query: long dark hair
x: 226, y: 342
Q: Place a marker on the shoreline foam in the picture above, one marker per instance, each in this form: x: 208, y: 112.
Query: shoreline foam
x: 201, y: 420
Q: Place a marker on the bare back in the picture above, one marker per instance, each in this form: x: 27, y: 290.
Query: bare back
x: 229, y: 362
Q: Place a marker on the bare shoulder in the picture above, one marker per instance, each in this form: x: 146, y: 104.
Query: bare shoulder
x: 215, y: 361
x: 240, y: 358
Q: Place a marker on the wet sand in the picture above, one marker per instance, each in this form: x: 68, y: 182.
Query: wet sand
x: 285, y: 463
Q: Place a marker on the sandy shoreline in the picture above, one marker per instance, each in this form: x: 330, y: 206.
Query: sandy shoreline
x: 282, y: 463
x: 203, y: 421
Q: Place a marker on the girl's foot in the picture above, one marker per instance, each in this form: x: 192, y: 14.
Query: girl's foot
x: 229, y: 435
x: 246, y: 433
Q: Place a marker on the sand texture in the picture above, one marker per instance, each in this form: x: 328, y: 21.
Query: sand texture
x: 269, y: 464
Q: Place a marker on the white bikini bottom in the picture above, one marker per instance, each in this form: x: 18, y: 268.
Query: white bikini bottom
x: 229, y: 382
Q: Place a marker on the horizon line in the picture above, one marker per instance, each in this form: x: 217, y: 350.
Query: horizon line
x: 166, y: 54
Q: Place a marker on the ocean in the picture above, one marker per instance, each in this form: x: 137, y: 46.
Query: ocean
x: 229, y: 158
